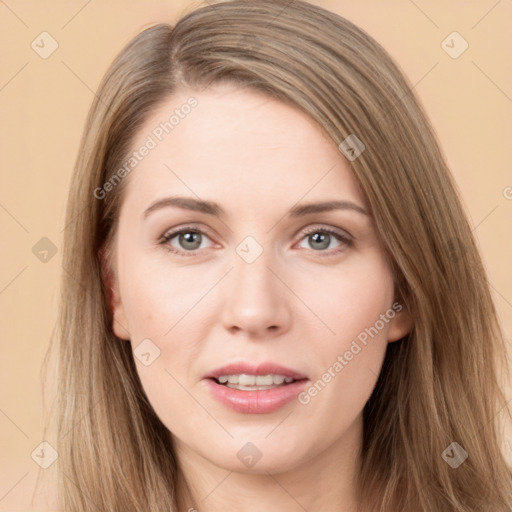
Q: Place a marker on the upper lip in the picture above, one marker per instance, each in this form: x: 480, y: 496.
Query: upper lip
x: 254, y: 369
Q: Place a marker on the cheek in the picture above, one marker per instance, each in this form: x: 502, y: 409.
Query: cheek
x: 156, y: 301
x: 356, y: 310
x: 156, y: 297
x: 349, y: 300
x: 163, y: 305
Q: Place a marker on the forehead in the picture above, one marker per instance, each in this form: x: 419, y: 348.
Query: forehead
x: 235, y: 140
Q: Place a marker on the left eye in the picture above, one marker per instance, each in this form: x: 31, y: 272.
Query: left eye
x: 320, y: 239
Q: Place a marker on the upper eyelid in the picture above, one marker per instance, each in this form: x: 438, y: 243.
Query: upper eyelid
x: 329, y: 229
x: 176, y: 231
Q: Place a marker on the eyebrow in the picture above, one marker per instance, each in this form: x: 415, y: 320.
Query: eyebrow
x: 212, y: 208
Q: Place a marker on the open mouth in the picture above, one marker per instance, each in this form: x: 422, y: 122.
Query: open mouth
x: 246, y: 382
x: 255, y: 389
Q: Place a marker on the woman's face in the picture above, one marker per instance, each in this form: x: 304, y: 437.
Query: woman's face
x: 257, y: 284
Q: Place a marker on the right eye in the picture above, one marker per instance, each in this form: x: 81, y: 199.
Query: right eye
x: 189, y: 240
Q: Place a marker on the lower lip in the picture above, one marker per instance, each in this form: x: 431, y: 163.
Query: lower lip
x: 256, y: 402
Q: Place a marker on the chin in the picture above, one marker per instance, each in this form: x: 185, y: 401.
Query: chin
x: 259, y: 455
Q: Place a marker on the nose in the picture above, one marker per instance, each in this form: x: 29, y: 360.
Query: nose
x: 256, y: 301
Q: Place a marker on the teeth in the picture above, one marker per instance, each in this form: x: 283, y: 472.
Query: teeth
x: 249, y: 388
x: 246, y: 380
x: 250, y: 381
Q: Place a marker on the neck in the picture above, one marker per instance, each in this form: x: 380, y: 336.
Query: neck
x: 325, y: 482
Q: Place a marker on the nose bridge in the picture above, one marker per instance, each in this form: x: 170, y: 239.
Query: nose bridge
x: 253, y: 279
x: 256, y: 300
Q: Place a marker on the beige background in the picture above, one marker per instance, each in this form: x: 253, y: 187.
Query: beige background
x: 43, y: 104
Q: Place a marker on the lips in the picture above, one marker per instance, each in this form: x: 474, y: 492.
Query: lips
x: 259, y: 399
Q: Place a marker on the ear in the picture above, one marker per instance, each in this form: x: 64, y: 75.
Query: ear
x: 111, y: 284
x: 401, y: 324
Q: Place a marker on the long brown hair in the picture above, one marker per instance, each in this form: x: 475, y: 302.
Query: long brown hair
x: 439, y: 385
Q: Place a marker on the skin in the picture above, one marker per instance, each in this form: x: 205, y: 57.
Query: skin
x: 297, y: 304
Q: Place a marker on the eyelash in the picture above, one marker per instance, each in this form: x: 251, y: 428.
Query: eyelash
x: 167, y: 237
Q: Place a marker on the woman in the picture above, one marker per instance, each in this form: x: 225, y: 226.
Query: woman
x: 273, y: 299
